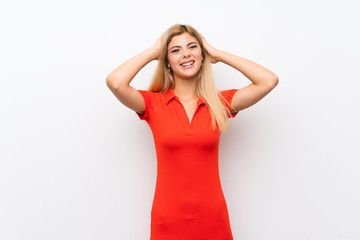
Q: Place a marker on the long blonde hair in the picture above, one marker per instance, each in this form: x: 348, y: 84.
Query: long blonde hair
x: 163, y: 79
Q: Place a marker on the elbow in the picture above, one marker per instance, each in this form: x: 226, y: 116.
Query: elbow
x: 111, y: 83
x: 115, y: 85
x: 108, y: 82
x: 273, y: 82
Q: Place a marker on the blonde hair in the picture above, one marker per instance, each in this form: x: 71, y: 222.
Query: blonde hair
x: 163, y: 79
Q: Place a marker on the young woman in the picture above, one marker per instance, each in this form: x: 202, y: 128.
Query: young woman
x: 186, y: 114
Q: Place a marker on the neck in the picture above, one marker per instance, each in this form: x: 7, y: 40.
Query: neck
x: 185, y: 89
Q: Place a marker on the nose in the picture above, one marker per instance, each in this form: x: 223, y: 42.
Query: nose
x: 186, y: 53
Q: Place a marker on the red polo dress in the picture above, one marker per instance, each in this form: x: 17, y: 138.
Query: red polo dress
x: 188, y: 202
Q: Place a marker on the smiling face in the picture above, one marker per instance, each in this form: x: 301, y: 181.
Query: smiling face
x: 184, y: 56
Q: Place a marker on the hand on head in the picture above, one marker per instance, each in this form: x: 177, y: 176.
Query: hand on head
x: 210, y: 50
x: 157, y: 46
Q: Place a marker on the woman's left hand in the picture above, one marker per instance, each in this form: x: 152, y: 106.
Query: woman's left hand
x: 210, y: 50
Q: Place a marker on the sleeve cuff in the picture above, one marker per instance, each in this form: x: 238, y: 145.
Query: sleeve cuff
x: 144, y: 115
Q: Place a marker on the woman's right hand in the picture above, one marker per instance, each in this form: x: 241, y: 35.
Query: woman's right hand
x: 156, y: 47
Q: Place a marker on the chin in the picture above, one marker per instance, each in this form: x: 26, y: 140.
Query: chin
x: 188, y: 75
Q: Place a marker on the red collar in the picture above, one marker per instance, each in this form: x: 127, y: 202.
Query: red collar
x: 170, y: 95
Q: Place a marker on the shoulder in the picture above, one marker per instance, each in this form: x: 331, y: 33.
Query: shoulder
x: 152, y: 101
x: 153, y: 97
x: 147, y: 93
x: 226, y: 98
x: 228, y: 94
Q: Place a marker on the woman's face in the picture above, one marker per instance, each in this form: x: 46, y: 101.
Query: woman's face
x: 184, y: 56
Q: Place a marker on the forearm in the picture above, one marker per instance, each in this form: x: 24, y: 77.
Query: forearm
x: 123, y: 75
x: 254, y: 72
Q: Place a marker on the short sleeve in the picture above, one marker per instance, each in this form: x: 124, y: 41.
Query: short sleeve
x: 146, y: 96
x: 228, y: 95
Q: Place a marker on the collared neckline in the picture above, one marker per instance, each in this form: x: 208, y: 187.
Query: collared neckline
x: 170, y: 95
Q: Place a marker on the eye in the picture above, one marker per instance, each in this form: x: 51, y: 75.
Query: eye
x: 175, y: 50
x: 193, y: 46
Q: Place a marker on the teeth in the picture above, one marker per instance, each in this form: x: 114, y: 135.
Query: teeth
x: 187, y: 64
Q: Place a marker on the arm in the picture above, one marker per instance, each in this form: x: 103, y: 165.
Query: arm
x: 263, y: 80
x: 119, y: 79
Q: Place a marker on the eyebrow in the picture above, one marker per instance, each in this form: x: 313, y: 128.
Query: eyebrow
x: 180, y: 47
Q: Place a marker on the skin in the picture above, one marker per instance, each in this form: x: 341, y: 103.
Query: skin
x: 262, y: 79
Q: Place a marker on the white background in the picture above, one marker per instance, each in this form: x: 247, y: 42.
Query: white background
x: 77, y: 164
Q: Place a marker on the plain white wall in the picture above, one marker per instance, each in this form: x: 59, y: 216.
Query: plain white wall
x: 76, y: 164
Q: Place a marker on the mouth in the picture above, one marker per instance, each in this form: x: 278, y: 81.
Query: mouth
x: 187, y: 64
